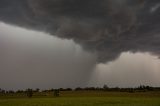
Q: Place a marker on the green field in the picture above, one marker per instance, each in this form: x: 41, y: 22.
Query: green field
x: 85, y: 98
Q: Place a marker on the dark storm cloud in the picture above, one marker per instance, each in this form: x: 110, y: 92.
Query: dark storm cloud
x: 35, y: 59
x: 107, y: 27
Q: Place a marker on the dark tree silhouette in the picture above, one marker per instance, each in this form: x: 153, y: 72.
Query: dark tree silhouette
x: 56, y: 93
x: 105, y: 87
x: 29, y: 93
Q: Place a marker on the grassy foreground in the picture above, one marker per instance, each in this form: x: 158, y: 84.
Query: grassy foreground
x: 87, y: 99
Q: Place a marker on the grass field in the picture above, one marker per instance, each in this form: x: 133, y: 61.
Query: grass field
x: 85, y: 98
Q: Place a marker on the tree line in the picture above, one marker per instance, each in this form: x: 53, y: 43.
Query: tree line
x: 56, y: 92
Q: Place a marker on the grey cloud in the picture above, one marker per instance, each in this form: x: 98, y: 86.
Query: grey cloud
x: 106, y: 27
x: 154, y: 8
x: 30, y: 59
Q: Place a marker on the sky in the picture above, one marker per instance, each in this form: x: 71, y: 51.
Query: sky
x: 38, y: 60
x: 75, y: 43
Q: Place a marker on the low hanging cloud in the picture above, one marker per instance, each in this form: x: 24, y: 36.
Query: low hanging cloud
x: 30, y: 59
x: 105, y: 27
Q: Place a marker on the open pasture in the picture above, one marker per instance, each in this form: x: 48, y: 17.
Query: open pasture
x: 84, y: 98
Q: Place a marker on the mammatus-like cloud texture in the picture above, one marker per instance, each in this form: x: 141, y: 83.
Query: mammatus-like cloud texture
x: 106, y: 27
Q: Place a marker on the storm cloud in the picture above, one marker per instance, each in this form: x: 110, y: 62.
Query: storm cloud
x: 30, y: 59
x: 105, y: 27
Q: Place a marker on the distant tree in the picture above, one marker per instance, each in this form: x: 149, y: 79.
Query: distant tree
x: 29, y: 93
x: 11, y: 92
x: 65, y: 89
x: 69, y: 89
x: 149, y: 88
x: 105, y: 87
x: 56, y: 93
x: 20, y: 91
x: 90, y: 88
x: 130, y: 90
x: 61, y: 89
x: 98, y: 88
x: 3, y: 91
x: 116, y: 89
x: 142, y: 88
x: 52, y: 90
x: 78, y: 89
x: 37, y: 90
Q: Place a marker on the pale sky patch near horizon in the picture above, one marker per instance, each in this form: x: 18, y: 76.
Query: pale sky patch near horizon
x: 129, y: 70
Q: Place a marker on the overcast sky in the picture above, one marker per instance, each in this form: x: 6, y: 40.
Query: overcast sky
x: 36, y: 59
x: 59, y: 43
